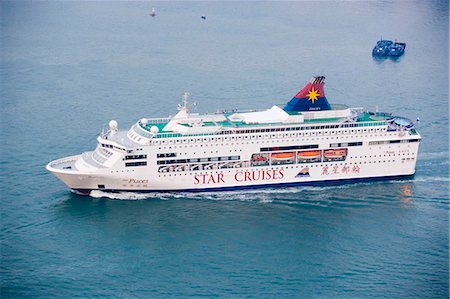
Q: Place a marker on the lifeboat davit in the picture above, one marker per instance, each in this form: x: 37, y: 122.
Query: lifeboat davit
x: 309, y: 155
x: 335, y: 153
x: 282, y: 156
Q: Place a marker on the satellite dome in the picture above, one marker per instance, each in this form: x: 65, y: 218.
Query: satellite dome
x: 113, y: 125
x: 154, y: 129
x: 144, y: 121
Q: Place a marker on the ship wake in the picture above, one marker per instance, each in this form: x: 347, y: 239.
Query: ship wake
x: 268, y: 195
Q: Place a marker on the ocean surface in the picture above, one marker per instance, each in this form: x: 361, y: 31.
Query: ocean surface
x: 67, y: 68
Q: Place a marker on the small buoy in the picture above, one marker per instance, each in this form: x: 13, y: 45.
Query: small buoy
x: 204, y: 17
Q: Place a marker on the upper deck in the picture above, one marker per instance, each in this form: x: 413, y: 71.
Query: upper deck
x: 232, y: 126
x: 307, y: 110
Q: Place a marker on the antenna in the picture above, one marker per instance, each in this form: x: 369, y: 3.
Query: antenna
x: 185, y: 97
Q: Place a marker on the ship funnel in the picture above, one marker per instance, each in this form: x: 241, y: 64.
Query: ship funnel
x: 310, y: 98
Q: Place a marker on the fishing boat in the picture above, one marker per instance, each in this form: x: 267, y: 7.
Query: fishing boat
x: 382, y: 48
x: 397, y: 49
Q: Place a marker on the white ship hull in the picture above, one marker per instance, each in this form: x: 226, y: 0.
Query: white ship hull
x: 306, y: 142
x: 362, y: 162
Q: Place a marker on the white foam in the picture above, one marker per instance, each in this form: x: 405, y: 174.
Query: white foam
x: 432, y: 179
x: 126, y: 195
x: 253, y: 195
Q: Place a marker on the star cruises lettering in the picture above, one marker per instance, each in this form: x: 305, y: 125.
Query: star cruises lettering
x: 240, y: 176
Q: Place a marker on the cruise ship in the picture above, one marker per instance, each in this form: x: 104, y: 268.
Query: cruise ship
x: 307, y: 141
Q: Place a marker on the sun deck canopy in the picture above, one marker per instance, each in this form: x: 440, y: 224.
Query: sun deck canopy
x: 272, y: 115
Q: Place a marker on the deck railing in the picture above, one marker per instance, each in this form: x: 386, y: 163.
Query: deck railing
x: 229, y: 131
x: 64, y: 160
x: 157, y: 120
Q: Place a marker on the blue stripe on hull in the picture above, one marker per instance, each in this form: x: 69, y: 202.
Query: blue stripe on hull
x: 293, y: 184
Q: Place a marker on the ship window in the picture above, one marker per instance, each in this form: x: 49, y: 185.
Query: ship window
x: 344, y: 144
x: 166, y: 155
x: 282, y: 148
x: 135, y: 164
x: 101, y: 186
x: 134, y: 157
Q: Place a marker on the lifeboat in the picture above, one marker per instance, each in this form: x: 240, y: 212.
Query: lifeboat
x: 282, y: 156
x: 259, y: 158
x: 335, y: 153
x: 309, y: 155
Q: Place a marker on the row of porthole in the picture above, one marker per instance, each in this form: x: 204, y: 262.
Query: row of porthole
x: 342, y: 128
x: 200, y: 140
x: 356, y: 157
x: 271, y: 135
x: 267, y: 141
x: 212, y: 152
x: 389, y: 155
x: 120, y: 171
